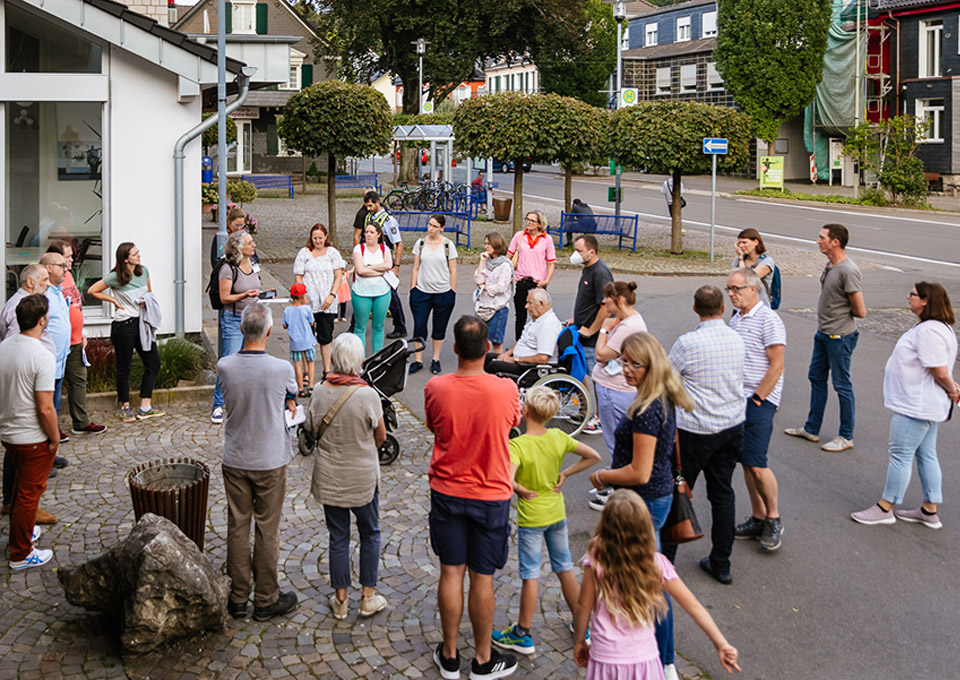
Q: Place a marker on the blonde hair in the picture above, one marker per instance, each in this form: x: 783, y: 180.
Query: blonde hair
x: 541, y: 217
x: 541, y: 404
x: 661, y: 380
x: 622, y: 549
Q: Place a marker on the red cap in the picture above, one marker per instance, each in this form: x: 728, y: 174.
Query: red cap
x: 298, y: 290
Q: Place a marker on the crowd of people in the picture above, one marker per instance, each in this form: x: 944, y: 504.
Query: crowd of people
x: 712, y: 396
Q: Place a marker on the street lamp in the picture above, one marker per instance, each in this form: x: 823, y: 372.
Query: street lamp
x: 421, y: 50
x: 619, y: 14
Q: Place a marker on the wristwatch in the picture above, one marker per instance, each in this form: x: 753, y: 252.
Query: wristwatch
x: 603, y: 331
x: 757, y: 397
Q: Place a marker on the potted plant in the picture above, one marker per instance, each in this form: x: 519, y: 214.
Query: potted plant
x: 208, y: 197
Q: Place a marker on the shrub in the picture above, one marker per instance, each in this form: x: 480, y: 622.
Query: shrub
x: 208, y: 193
x: 872, y: 196
x: 179, y: 360
x: 312, y: 170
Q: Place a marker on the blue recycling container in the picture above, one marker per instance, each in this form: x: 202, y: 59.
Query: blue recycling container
x: 206, y: 172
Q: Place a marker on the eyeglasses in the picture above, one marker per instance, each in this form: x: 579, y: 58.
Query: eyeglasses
x: 913, y: 293
x: 632, y: 366
x: 531, y: 221
x: 731, y: 289
x: 56, y: 264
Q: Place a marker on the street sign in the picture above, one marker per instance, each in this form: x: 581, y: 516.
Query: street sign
x: 613, y: 193
x: 714, y: 145
x: 629, y: 96
x: 428, y: 107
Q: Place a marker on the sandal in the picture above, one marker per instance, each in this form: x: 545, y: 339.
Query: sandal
x: 302, y: 394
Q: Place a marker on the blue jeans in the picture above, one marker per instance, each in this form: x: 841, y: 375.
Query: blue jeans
x: 611, y: 407
x: 338, y: 526
x: 831, y: 356
x: 663, y: 630
x: 590, y: 354
x: 910, y: 437
x: 57, y: 394
x: 497, y: 325
x: 440, y: 304
x: 529, y: 542
x: 362, y: 309
x: 230, y: 341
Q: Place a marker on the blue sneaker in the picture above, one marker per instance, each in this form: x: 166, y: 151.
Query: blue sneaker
x: 585, y: 637
x: 508, y: 639
x: 36, y: 558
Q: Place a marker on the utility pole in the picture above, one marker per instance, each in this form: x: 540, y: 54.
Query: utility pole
x: 222, y: 126
x: 619, y: 14
x: 858, y: 80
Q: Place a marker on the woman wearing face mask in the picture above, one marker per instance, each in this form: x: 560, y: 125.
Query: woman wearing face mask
x: 535, y: 259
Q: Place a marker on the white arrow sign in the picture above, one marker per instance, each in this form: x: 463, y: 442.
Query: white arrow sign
x: 714, y: 145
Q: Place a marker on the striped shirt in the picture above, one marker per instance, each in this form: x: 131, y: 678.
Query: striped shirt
x: 709, y: 359
x: 760, y: 328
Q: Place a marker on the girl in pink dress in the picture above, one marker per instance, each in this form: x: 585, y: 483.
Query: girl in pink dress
x: 623, y: 583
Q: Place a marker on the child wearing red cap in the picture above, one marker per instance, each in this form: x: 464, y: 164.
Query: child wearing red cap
x: 298, y: 320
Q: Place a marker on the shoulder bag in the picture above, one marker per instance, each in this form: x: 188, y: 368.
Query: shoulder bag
x: 681, y: 525
x: 308, y: 440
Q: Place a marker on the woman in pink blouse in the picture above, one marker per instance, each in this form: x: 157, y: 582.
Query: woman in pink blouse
x: 535, y: 261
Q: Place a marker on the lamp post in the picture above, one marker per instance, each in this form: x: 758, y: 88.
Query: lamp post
x: 619, y: 14
x: 421, y: 50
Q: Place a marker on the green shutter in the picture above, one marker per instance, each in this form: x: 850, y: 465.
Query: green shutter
x: 306, y: 76
x: 228, y: 16
x: 262, y: 18
x: 272, y: 146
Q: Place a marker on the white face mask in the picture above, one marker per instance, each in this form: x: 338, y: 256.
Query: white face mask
x: 576, y: 258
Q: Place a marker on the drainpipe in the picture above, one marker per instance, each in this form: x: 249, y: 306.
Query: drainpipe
x: 896, y: 92
x: 179, y: 277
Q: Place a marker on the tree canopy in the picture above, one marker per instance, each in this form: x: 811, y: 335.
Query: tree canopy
x: 573, y: 132
x: 770, y: 54
x: 210, y: 134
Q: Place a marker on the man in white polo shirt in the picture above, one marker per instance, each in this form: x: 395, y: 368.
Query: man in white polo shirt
x: 765, y: 340
x: 537, y: 343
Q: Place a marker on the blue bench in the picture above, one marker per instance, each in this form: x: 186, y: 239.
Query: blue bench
x: 623, y: 227
x: 458, y: 222
x: 271, y: 182
x: 357, y: 181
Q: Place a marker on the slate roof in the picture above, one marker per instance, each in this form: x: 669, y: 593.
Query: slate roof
x: 909, y: 4
x: 671, y: 8
x: 674, y: 49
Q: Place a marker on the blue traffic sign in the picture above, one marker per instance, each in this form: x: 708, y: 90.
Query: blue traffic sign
x: 714, y: 145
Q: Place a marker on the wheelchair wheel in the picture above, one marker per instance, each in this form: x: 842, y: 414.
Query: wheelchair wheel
x: 576, y: 402
x: 389, y: 450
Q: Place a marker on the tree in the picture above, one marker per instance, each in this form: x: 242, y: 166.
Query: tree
x: 338, y: 120
x: 889, y: 149
x: 770, y: 54
x: 572, y: 132
x: 579, y: 63
x: 667, y: 137
x: 210, y: 134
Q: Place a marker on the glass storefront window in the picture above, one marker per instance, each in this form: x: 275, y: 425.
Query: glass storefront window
x: 36, y: 45
x: 54, y: 159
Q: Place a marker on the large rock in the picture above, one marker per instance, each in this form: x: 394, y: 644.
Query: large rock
x: 156, y: 581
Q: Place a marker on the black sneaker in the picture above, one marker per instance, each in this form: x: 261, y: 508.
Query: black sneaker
x: 396, y: 334
x: 238, y: 610
x: 285, y: 604
x: 499, y: 666
x: 752, y: 528
x: 449, y: 668
x: 60, y: 462
x: 772, y: 537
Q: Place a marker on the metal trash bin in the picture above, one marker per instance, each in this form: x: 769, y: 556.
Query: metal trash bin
x: 501, y: 209
x: 176, y: 489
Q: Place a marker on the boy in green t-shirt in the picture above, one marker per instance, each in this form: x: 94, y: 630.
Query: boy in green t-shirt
x: 535, y: 461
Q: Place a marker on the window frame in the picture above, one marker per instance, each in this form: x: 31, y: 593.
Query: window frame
x: 934, y: 134
x: 647, y: 33
x: 684, y: 22
x: 237, y: 26
x: 685, y: 87
x: 669, y: 81
x: 703, y: 24
x: 925, y: 28
x: 714, y: 85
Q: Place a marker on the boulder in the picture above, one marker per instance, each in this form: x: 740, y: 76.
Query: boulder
x: 156, y: 582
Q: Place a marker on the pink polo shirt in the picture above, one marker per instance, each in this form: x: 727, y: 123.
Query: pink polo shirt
x: 534, y: 256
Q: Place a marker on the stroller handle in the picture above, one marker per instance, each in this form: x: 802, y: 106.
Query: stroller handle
x: 415, y: 345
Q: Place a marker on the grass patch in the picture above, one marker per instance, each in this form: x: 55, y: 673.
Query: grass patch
x: 872, y: 197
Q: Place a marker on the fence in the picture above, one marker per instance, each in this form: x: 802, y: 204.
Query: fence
x: 623, y: 227
x: 458, y: 222
x: 271, y: 182
x: 357, y: 182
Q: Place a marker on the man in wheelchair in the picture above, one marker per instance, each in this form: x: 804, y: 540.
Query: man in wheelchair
x: 537, y: 343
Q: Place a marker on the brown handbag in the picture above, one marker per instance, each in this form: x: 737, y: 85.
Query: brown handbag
x: 681, y: 525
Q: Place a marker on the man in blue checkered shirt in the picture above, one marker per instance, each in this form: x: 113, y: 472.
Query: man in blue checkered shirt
x: 709, y: 360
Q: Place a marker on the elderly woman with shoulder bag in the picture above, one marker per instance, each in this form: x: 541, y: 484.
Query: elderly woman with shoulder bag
x: 346, y: 420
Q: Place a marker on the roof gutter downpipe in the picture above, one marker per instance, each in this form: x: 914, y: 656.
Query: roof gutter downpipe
x: 179, y: 279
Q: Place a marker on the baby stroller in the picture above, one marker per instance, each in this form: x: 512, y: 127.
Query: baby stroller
x: 386, y: 373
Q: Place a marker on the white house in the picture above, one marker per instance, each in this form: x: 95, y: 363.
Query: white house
x: 93, y: 98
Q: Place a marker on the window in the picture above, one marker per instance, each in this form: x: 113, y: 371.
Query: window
x: 36, y: 45
x: 931, y: 31
x: 663, y: 80
x: 714, y: 80
x: 931, y: 112
x: 709, y: 24
x: 651, y: 35
x: 781, y: 146
x: 296, y: 62
x: 244, y: 17
x: 688, y: 78
x: 625, y: 42
x: 683, y: 29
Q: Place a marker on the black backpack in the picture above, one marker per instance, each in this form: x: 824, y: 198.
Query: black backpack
x: 213, y: 286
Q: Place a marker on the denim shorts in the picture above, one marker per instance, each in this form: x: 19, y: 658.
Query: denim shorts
x: 470, y: 531
x: 529, y: 542
x: 497, y: 325
x: 757, y: 429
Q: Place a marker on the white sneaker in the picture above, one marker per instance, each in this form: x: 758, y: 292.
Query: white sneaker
x: 36, y: 558
x: 670, y: 672
x: 35, y: 536
x: 800, y: 432
x: 373, y: 604
x: 338, y: 608
x: 217, y: 416
x: 838, y: 444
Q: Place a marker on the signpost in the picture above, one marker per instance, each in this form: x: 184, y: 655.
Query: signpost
x: 629, y: 96
x: 714, y: 146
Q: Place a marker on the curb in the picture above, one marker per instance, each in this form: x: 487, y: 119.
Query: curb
x: 196, y: 394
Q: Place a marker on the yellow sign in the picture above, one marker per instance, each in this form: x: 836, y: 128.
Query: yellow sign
x: 428, y: 107
x: 771, y: 172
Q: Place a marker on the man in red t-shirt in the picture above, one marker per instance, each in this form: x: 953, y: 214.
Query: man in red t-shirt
x: 470, y: 414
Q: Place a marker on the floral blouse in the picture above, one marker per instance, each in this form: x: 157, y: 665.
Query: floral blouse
x: 318, y: 275
x: 497, y: 285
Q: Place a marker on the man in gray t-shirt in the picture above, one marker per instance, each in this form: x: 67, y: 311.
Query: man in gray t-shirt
x: 841, y: 304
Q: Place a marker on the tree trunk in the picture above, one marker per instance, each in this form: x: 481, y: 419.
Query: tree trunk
x: 518, y: 196
x: 567, y: 186
x: 676, y: 237
x: 408, y: 164
x: 303, y: 174
x: 332, y: 200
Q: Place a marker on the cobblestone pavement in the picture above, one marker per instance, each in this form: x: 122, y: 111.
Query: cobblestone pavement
x: 43, y: 636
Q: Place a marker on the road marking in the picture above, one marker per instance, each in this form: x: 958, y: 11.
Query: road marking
x: 847, y: 212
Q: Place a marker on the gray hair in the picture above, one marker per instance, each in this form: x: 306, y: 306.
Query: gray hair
x: 540, y: 295
x: 231, y: 249
x: 540, y: 216
x: 255, y: 322
x: 31, y: 272
x: 346, y: 356
x: 750, y: 278
x: 369, y: 188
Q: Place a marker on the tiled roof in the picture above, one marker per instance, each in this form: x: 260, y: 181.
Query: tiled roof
x: 672, y: 8
x: 674, y: 49
x: 909, y: 4
x: 269, y: 97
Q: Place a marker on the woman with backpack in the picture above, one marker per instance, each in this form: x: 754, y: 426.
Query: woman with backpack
x: 372, y: 261
x: 433, y: 288
x: 753, y: 254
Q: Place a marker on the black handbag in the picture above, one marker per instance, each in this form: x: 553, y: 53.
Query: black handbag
x: 681, y: 525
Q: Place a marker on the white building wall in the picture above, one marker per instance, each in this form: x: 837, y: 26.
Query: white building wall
x: 155, y: 9
x: 145, y: 123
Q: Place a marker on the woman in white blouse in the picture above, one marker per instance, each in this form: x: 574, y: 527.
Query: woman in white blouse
x: 919, y: 388
x: 320, y: 267
x: 371, y: 291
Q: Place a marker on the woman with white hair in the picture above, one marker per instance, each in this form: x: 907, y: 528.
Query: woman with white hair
x: 346, y: 419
